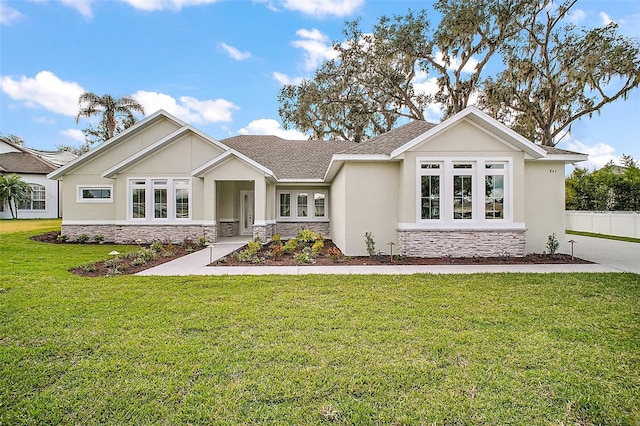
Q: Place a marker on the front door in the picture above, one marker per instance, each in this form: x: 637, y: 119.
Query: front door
x: 246, y: 211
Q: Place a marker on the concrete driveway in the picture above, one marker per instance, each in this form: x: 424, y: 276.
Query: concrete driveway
x: 620, y: 255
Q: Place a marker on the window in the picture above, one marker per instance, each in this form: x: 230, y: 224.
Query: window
x: 430, y: 190
x: 285, y: 204
x: 452, y: 191
x: 494, y: 191
x: 95, y: 194
x: 463, y: 191
x: 319, y: 198
x: 160, y: 199
x: 182, y: 198
x: 138, y: 199
x: 308, y: 205
x: 38, y: 198
x: 303, y: 201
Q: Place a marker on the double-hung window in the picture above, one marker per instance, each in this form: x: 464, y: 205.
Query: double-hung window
x: 302, y: 205
x: 162, y: 199
x: 460, y: 191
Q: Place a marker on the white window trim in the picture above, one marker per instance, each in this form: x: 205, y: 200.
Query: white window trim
x: 311, y: 206
x: 478, y: 172
x: 150, y: 199
x: 80, y: 188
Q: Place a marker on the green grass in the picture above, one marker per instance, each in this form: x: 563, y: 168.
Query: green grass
x: 457, y: 349
x: 608, y: 237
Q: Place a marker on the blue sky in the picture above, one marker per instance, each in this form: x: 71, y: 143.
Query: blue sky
x: 217, y: 64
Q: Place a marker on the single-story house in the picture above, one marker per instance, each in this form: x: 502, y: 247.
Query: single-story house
x: 33, y: 166
x: 468, y: 186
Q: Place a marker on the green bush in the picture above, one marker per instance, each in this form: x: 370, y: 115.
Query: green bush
x: 83, y: 238
x: 306, y: 235
x: 290, y: 246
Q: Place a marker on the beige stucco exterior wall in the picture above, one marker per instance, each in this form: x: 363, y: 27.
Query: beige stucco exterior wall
x: 463, y: 140
x: 365, y: 199
x: 544, y: 205
x: 177, y: 159
x: 337, y: 209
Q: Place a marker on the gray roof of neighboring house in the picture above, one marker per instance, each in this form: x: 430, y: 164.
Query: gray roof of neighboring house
x: 389, y: 141
x: 57, y: 158
x: 23, y: 162
x: 289, y: 159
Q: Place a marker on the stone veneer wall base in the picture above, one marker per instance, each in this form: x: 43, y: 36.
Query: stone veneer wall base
x: 291, y: 229
x: 462, y: 243
x: 146, y: 234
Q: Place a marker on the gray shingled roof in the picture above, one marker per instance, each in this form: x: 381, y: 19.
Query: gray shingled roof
x: 388, y: 142
x: 23, y: 162
x: 289, y: 159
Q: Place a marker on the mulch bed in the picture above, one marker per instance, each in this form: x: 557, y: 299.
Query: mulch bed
x: 104, y: 268
x: 323, y: 259
x: 174, y: 251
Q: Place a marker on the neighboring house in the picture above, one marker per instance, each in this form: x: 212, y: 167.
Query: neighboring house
x: 33, y: 166
x: 468, y: 186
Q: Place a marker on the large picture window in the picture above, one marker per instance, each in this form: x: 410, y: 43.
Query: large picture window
x: 159, y: 199
x: 456, y: 192
x: 307, y: 205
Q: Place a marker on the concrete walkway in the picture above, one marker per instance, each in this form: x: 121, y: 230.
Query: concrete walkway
x: 609, y: 255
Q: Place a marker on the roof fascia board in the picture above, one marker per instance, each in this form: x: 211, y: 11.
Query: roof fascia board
x: 565, y: 158
x: 114, y: 141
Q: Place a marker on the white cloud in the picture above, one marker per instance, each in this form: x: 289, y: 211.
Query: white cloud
x: 424, y: 85
x: 74, y: 134
x: 269, y: 126
x: 189, y: 109
x: 321, y: 8
x: 605, y: 19
x: 285, y: 79
x: 8, y: 15
x: 316, y: 46
x: 151, y: 5
x: 454, y: 63
x: 44, y: 90
x: 577, y: 16
x: 82, y: 6
x: 235, y: 53
x: 599, y: 153
x: 44, y: 120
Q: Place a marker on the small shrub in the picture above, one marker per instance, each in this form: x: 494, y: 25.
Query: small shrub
x: 304, y: 256
x: 223, y: 259
x: 144, y: 256
x: 156, y: 246
x: 290, y: 246
x: 371, y: 244
x: 276, y: 239
x: 254, y: 246
x: 89, y: 267
x: 202, y: 241
x: 306, y: 235
x: 83, y: 238
x: 334, y: 254
x: 62, y: 238
x: 317, y: 247
x: 552, y: 244
x: 276, y: 252
x: 98, y: 238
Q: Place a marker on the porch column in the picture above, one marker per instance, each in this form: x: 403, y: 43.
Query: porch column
x: 209, y: 208
x: 260, y: 206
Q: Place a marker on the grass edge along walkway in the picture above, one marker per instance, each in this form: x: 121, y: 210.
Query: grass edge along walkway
x: 605, y: 236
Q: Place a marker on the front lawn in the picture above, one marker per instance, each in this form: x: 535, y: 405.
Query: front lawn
x: 423, y: 349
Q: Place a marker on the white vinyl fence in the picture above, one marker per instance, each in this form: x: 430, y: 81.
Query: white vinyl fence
x: 625, y: 224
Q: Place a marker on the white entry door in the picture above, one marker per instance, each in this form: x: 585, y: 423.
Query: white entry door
x: 246, y: 209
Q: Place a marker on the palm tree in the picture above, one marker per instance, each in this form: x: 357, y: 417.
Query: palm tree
x: 117, y: 113
x: 13, y: 191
